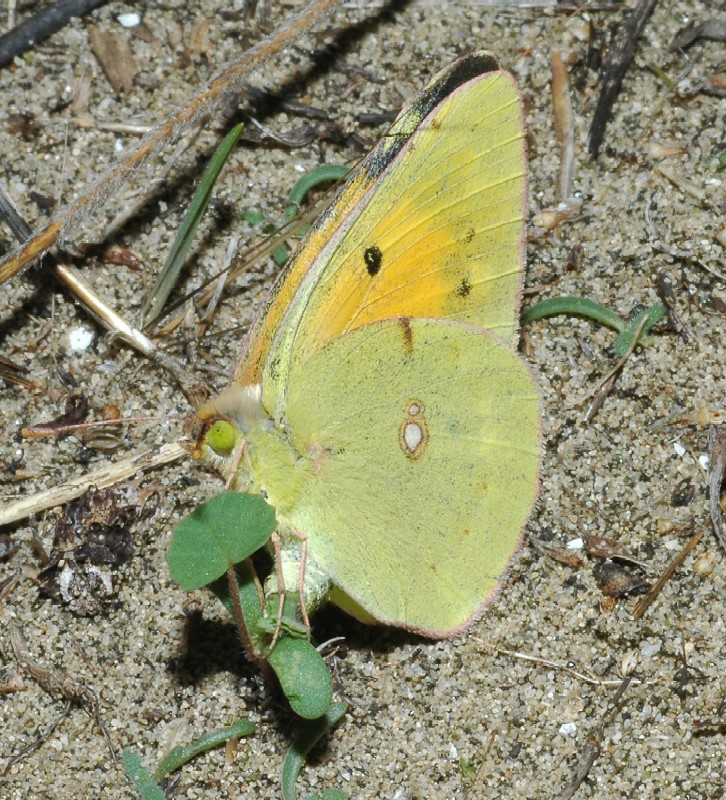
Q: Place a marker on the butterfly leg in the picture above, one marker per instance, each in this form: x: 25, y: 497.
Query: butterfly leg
x: 301, y: 576
x: 287, y: 559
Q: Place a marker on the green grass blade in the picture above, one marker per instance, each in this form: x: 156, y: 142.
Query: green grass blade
x: 311, y: 179
x: 187, y: 230
x: 574, y: 305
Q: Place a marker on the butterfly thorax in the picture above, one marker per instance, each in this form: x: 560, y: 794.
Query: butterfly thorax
x: 255, y: 455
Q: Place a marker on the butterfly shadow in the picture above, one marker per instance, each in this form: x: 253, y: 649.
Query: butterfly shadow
x: 332, y: 623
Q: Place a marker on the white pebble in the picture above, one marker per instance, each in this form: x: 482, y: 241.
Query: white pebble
x: 81, y: 338
x: 130, y: 19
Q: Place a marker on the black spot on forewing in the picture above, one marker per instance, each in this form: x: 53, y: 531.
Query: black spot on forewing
x: 373, y: 259
x: 464, y: 287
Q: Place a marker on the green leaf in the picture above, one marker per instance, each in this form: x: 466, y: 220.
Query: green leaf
x: 221, y: 532
x: 310, y: 735
x: 137, y: 774
x: 183, y: 753
x: 304, y: 676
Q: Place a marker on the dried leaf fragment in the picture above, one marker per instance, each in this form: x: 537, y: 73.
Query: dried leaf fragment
x: 562, y: 555
x: 605, y: 547
x: 714, y: 29
x: 113, y: 52
x: 92, y: 536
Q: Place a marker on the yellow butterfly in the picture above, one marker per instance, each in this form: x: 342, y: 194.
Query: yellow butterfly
x: 379, y: 404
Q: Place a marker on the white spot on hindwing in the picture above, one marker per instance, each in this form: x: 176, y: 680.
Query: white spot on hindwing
x: 413, y: 434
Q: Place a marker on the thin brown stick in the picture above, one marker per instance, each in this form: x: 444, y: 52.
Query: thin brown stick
x: 134, y: 205
x: 217, y: 92
x: 41, y: 25
x: 587, y: 677
x: 645, y: 603
x: 717, y: 470
x: 107, y: 316
x: 616, y: 65
x: 564, y: 125
x: 99, y: 308
x: 102, y: 311
x: 240, y: 264
x: 39, y: 740
x: 607, y: 383
x: 102, y: 478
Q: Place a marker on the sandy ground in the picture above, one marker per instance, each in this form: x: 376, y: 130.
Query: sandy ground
x: 454, y: 719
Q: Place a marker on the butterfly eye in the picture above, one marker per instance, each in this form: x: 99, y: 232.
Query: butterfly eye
x: 222, y: 437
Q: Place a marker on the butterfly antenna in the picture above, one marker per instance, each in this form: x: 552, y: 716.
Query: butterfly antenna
x: 236, y: 458
x: 45, y: 429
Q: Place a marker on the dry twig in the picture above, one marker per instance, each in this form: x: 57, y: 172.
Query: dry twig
x: 101, y: 479
x: 214, y: 95
x: 592, y: 747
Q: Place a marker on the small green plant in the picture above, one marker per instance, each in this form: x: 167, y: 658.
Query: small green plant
x: 640, y: 324
x: 212, y: 547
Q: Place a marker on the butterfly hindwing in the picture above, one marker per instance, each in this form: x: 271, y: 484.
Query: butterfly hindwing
x: 421, y: 440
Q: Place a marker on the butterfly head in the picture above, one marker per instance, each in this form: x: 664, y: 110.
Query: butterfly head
x: 222, y: 426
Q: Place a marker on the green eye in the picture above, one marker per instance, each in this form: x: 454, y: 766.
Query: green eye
x: 222, y: 437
